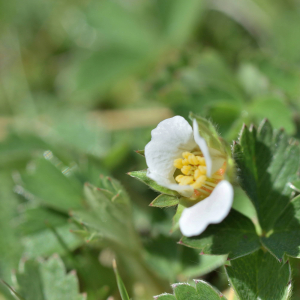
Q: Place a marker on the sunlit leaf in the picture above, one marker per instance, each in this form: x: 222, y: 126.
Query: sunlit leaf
x: 184, y: 291
x: 260, y: 276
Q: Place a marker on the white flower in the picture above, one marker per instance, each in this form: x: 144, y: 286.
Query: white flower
x: 179, y: 159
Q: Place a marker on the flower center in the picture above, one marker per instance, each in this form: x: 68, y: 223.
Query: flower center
x: 193, y: 172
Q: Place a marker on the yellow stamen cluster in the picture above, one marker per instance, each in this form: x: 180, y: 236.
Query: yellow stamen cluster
x: 193, y: 168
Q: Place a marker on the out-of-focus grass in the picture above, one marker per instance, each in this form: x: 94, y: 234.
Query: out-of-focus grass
x: 88, y: 80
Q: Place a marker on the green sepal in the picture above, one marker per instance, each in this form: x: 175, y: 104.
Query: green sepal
x: 164, y: 200
x: 208, y: 131
x: 235, y: 236
x: 140, y: 152
x: 260, y: 276
x: 267, y: 161
x: 176, y: 217
x: 285, y: 235
x: 142, y: 176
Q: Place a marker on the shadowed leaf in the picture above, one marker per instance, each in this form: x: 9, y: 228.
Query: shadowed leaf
x: 235, y: 236
x: 267, y: 161
x: 285, y: 236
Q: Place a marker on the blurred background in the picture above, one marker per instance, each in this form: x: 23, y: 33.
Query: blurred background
x: 83, y: 83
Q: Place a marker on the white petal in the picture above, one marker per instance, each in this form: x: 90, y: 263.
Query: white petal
x: 213, y: 158
x: 211, y: 210
x: 169, y: 139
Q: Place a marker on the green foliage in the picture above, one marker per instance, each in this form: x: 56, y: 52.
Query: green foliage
x: 178, y: 19
x: 50, y: 182
x: 10, y: 248
x: 164, y: 200
x: 86, y: 81
x: 141, y: 152
x: 267, y: 160
x: 295, y: 185
x: 38, y: 280
x: 184, y: 291
x: 209, y: 133
x: 121, y: 286
x: 179, y: 210
x: 260, y: 276
x: 107, y: 214
x: 173, y: 261
x: 285, y: 236
x: 142, y: 176
x: 275, y: 111
x: 235, y: 236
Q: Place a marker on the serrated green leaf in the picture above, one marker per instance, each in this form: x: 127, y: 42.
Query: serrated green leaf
x: 260, y: 276
x: 121, y: 286
x: 285, y: 236
x: 164, y: 200
x: 108, y: 218
x: 30, y: 282
x: 56, y: 283
x: 205, y: 289
x: 267, y: 161
x: 142, y: 176
x: 235, y: 236
x: 184, y: 291
x: 46, y: 231
x: 47, y: 280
